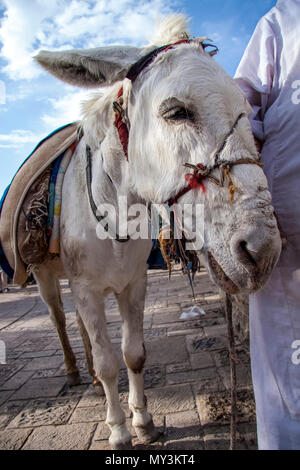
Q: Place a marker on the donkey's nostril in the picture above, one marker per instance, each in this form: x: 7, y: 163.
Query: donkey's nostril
x: 245, y: 256
x: 250, y: 255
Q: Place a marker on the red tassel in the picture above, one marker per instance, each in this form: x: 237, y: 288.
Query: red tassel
x: 120, y: 92
x: 123, y: 133
x: 175, y: 43
x: 195, y: 181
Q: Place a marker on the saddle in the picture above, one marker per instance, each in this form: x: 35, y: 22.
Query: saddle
x: 31, y: 182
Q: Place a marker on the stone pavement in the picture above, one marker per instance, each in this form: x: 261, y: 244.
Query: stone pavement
x: 187, y: 377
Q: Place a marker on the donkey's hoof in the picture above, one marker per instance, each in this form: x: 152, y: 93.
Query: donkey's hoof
x: 120, y: 438
x: 74, y: 379
x: 122, y: 446
x: 147, y: 434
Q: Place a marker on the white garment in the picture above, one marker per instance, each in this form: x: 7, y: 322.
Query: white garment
x: 269, y: 73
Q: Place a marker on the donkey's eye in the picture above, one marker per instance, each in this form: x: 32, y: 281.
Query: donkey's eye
x: 179, y: 113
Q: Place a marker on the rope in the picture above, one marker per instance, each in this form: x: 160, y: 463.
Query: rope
x: 166, y: 243
x: 233, y: 360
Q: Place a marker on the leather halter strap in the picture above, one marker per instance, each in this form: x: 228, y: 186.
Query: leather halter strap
x: 201, y: 172
x: 133, y: 73
x: 93, y: 205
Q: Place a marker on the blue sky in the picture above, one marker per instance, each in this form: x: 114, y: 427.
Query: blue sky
x: 36, y: 103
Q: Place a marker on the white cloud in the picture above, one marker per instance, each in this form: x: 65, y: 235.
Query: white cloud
x: 18, y: 137
x: 23, y: 90
x: 31, y: 25
x: 64, y: 110
x: 20, y: 27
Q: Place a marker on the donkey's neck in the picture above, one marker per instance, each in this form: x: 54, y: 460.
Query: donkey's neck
x: 109, y: 168
x: 110, y: 172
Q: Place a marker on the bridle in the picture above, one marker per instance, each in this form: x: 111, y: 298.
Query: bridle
x: 200, y: 172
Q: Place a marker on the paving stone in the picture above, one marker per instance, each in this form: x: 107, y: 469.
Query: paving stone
x: 188, y: 376
x: 5, y: 396
x: 190, y: 354
x: 8, y: 370
x: 154, y: 333
x: 243, y: 369
x: 214, y: 307
x: 13, y: 439
x: 201, y: 360
x: 11, y: 355
x: 100, y: 445
x: 9, y: 410
x: 154, y: 376
x: 44, y: 363
x: 212, y: 298
x: 64, y: 437
x: 243, y: 376
x: 217, y: 441
x: 218, y: 438
x: 37, y: 344
x: 209, y: 385
x: 196, y: 343
x: 170, y: 399
x: 193, y: 324
x: 177, y: 424
x: 222, y: 357
x: 212, y: 319
x: 167, y: 350
x: 91, y: 398
x: 162, y: 311
x: 90, y: 414
x: 160, y: 318
x: 216, y: 330
x: 17, y: 380
x: 53, y: 344
x: 33, y: 354
x: 216, y: 409
x: 183, y: 431
x: 74, y: 392
x: 251, y: 440
x: 81, y: 365
x: 46, y: 387
x: 185, y: 444
x: 41, y: 374
x: 182, y: 366
x: 155, y: 446
x: 44, y: 412
x: 162, y: 304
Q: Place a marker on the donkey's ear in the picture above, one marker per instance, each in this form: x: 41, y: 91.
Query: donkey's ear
x: 90, y: 68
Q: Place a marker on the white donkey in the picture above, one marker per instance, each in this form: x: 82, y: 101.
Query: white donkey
x: 179, y: 107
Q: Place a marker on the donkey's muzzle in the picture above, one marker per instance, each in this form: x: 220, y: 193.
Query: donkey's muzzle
x: 257, y: 254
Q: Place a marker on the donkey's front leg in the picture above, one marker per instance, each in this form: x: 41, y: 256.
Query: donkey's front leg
x: 131, y: 303
x: 90, y: 306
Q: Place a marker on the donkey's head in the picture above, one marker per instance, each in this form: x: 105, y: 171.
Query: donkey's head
x: 182, y: 108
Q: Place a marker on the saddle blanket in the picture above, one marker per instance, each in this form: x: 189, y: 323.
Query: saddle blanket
x: 53, y: 154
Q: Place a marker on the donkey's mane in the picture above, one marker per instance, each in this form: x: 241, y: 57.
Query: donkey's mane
x: 171, y: 29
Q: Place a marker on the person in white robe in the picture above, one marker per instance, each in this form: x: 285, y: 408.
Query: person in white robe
x: 269, y: 74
